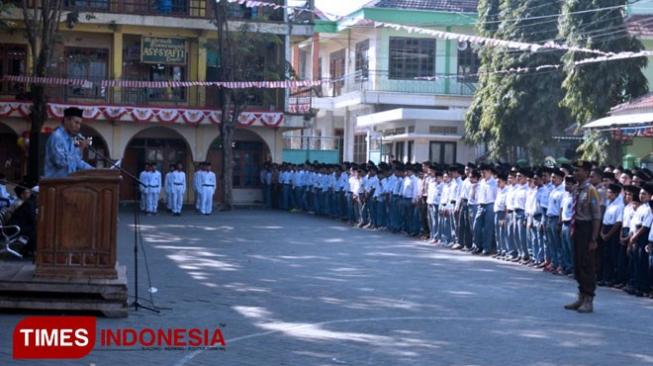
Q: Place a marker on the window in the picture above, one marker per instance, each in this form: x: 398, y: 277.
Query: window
x: 303, y: 64
x: 411, y: 57
x: 360, y: 148
x: 12, y: 62
x: 443, y: 130
x: 337, y: 71
x: 166, y: 73
x: 468, y: 62
x: 88, y: 64
x: 442, y: 152
x: 362, y: 60
x: 409, y: 155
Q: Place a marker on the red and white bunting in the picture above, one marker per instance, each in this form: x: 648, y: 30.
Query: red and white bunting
x: 114, y: 113
x: 247, y: 119
x: 167, y: 115
x: 284, y: 84
x: 144, y: 114
x: 215, y: 117
x: 192, y: 116
x: 5, y: 110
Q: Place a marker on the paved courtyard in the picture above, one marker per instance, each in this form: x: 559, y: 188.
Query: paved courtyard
x: 293, y: 289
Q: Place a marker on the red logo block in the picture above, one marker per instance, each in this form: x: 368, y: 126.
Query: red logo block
x: 52, y: 337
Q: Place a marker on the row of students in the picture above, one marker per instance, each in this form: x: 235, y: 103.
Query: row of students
x: 518, y: 214
x: 175, y: 186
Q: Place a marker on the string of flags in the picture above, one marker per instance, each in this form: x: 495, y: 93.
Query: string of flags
x: 460, y: 37
x: 285, y: 84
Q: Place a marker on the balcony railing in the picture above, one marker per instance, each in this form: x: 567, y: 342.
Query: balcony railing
x: 372, y: 80
x: 176, y: 8
x: 199, y: 97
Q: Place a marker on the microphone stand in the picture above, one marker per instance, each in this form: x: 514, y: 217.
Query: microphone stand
x: 137, y: 221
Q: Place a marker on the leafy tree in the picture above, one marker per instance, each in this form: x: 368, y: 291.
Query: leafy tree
x: 241, y: 58
x: 488, y: 14
x: 41, y: 27
x: 592, y: 89
x: 516, y: 112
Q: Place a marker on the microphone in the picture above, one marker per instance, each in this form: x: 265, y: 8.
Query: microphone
x: 79, y: 138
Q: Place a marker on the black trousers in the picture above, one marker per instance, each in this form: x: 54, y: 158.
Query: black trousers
x: 623, y: 275
x: 584, y: 259
x: 609, y: 255
x: 639, y: 276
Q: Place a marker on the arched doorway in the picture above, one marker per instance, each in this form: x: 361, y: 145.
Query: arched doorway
x: 12, y: 156
x: 250, y: 153
x: 160, y: 145
x: 99, y: 149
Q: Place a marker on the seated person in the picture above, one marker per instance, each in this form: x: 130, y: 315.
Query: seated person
x: 24, y: 216
x: 5, y: 198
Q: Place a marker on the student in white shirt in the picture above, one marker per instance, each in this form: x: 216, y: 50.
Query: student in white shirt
x: 609, y: 236
x: 179, y: 189
x: 500, y: 216
x: 433, y: 190
x: 484, y: 220
x: 566, y: 215
x: 641, y: 223
x: 553, y: 241
x: 143, y: 186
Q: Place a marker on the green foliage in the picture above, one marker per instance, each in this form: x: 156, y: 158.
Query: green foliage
x: 512, y: 111
x: 488, y: 13
x: 592, y: 89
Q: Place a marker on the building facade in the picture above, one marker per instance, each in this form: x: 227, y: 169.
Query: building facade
x: 150, y: 41
x: 390, y: 94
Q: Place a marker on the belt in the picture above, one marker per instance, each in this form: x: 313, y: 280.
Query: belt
x: 553, y: 217
x: 208, y: 185
x: 153, y: 186
x: 566, y: 222
x: 179, y: 184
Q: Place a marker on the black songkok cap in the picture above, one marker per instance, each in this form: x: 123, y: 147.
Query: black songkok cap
x: 73, y: 112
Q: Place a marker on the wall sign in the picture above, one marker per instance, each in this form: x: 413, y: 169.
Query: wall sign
x: 171, y: 51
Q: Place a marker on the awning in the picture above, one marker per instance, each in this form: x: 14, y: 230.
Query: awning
x: 621, y: 121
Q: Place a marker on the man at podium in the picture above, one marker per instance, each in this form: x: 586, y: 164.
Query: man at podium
x: 63, y: 150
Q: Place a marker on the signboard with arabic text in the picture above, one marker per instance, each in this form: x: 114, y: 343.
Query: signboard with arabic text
x: 168, y: 51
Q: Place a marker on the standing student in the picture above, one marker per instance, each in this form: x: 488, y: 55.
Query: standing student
x: 609, y: 237
x: 167, y: 185
x: 179, y: 189
x: 566, y: 215
x: 500, y: 215
x: 153, y: 190
x: 197, y: 182
x: 207, y: 190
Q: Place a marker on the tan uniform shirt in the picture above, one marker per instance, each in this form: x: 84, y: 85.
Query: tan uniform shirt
x: 588, y: 203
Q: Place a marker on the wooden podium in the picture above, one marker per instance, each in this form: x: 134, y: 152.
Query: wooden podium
x: 77, y: 226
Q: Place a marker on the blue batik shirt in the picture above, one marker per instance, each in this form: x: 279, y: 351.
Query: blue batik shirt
x: 62, y: 157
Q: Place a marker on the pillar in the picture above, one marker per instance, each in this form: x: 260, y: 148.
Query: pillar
x: 348, y: 139
x: 202, y: 61
x: 116, y: 63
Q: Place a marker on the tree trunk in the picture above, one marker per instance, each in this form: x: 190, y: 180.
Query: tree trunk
x: 37, y: 118
x: 227, y: 134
